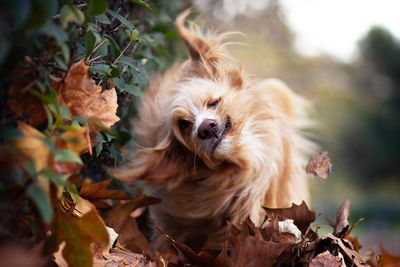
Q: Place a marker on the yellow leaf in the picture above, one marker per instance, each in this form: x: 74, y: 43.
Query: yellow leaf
x: 75, y: 139
x: 33, y: 146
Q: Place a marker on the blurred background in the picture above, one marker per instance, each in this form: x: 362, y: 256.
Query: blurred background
x: 345, y: 57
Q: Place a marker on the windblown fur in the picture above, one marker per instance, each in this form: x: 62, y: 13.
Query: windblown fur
x: 259, y: 158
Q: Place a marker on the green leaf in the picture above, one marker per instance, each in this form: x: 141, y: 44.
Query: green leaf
x: 115, y: 72
x: 41, y: 201
x: 143, y: 3
x: 133, y: 90
x: 129, y: 88
x: 130, y: 62
x: 101, y: 69
x: 54, y: 177
x: 114, y: 46
x: 96, y: 7
x: 42, y: 12
x: 98, y: 148
x: 67, y: 155
x: 10, y: 133
x: 90, y: 43
x: 134, y: 35
x: 70, y: 13
x: 121, y: 19
x: 102, y: 18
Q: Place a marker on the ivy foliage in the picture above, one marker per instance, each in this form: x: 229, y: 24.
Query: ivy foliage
x: 123, y: 42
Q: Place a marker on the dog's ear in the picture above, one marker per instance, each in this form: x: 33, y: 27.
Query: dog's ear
x: 235, y: 79
x: 198, y: 47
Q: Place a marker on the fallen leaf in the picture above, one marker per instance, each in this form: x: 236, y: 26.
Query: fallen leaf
x: 99, y: 191
x: 119, y: 218
x: 253, y: 250
x: 389, y: 260
x: 197, y: 259
x: 320, y: 165
x: 347, y: 249
x: 300, y: 214
x: 84, y: 98
x: 342, y: 219
x: 79, y: 233
x: 118, y: 257
x: 326, y: 259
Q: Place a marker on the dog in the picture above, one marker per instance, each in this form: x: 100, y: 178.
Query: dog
x: 216, y: 146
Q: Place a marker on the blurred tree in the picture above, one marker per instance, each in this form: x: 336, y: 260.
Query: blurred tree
x: 371, y: 143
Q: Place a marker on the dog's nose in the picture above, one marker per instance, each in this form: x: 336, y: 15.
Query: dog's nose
x: 207, y: 129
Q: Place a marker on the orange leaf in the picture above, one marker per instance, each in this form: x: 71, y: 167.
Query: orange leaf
x: 96, y: 191
x: 389, y: 260
x: 84, y: 98
x: 33, y: 146
x: 75, y: 139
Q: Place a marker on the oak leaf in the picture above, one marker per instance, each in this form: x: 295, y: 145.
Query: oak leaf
x: 119, y: 218
x: 320, y: 165
x: 99, y: 191
x: 300, y: 214
x: 84, y: 98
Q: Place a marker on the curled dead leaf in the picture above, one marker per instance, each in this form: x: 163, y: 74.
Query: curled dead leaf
x: 326, y: 259
x: 320, y: 165
x: 342, y: 219
x: 84, y: 98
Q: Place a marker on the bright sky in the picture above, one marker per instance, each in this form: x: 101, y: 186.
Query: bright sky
x: 335, y: 26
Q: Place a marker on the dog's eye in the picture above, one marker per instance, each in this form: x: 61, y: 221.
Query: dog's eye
x: 213, y: 102
x: 184, y: 124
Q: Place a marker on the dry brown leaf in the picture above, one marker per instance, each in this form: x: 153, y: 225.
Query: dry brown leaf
x: 301, y: 215
x: 119, y: 218
x: 326, y: 259
x: 117, y: 258
x: 342, y: 219
x: 250, y: 249
x: 389, y: 260
x: 196, y: 259
x: 347, y: 249
x: 21, y: 101
x: 320, y: 165
x: 99, y: 191
x: 84, y: 98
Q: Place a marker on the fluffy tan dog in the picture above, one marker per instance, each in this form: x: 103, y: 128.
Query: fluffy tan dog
x: 216, y: 147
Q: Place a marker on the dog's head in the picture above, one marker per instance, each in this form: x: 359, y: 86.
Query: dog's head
x: 206, y: 112
x: 208, y: 118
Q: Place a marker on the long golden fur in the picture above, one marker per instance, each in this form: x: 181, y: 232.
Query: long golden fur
x: 255, y: 159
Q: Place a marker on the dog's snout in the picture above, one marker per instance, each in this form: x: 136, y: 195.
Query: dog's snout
x: 208, y: 129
